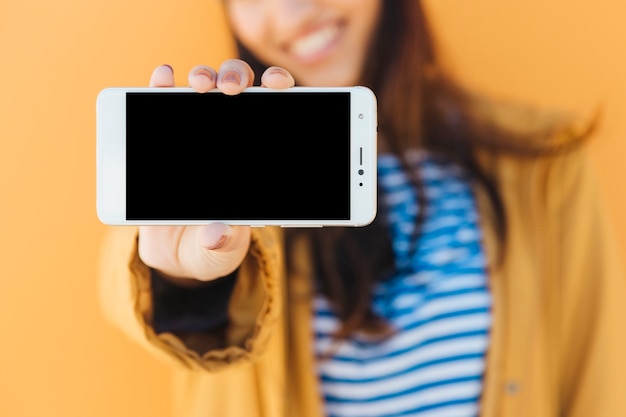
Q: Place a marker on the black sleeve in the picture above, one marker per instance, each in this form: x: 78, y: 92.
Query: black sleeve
x: 190, y: 309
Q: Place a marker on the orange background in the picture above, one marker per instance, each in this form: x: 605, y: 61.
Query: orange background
x: 58, y: 357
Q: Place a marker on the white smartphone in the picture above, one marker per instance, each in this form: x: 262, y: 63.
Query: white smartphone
x: 299, y: 157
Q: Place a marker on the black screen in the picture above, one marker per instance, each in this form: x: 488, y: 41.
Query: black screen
x: 259, y: 156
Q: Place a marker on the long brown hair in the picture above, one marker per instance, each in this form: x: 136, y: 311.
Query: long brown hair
x: 420, y: 107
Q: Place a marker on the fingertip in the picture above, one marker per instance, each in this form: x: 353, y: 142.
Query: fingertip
x: 230, y: 83
x: 276, y: 77
x: 162, y: 76
x: 202, y: 78
x: 215, y: 235
x: 234, y: 76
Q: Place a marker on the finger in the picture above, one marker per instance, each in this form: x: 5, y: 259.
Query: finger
x: 194, y: 252
x: 157, y: 246
x: 214, y: 236
x: 202, y: 78
x: 222, y: 247
x: 162, y: 76
x: 222, y: 237
x: 233, y: 76
x: 277, y: 77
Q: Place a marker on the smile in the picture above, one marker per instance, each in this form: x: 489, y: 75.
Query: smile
x: 315, y: 44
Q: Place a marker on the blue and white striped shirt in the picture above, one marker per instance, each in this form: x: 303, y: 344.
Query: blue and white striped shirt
x: 439, y: 304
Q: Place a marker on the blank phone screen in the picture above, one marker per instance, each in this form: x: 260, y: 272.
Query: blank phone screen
x: 255, y: 156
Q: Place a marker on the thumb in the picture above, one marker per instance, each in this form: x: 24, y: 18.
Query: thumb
x: 222, y: 249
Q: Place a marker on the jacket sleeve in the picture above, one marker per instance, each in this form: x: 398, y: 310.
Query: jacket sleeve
x: 125, y: 290
x: 593, y: 294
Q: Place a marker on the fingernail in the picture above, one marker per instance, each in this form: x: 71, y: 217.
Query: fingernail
x: 215, y: 236
x: 169, y: 66
x: 203, y: 73
x: 231, y: 77
x: 219, y: 244
x: 277, y: 71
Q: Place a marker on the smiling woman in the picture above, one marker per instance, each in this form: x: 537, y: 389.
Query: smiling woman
x: 60, y: 358
x: 468, y: 282
x: 321, y: 46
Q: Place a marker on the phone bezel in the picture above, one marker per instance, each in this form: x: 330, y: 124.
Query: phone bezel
x: 111, y: 157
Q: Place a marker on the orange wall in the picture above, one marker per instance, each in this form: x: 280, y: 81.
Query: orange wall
x: 58, y: 357
x: 570, y: 54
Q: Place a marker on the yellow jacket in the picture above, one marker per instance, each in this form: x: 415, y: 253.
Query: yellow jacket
x: 558, y: 339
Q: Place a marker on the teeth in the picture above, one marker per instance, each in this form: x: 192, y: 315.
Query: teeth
x: 314, y: 42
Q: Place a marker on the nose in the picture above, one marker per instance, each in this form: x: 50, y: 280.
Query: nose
x: 287, y: 15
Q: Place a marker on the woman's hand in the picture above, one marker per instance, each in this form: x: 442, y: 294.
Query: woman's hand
x: 233, y: 76
x: 206, y: 252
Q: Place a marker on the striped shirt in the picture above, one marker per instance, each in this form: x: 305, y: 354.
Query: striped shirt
x: 439, y: 304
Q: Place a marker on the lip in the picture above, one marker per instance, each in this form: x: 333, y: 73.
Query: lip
x: 316, y: 44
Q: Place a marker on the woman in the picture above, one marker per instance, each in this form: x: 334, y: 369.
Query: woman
x: 488, y: 285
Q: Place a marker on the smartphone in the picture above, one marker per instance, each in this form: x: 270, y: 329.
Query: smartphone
x: 298, y: 157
